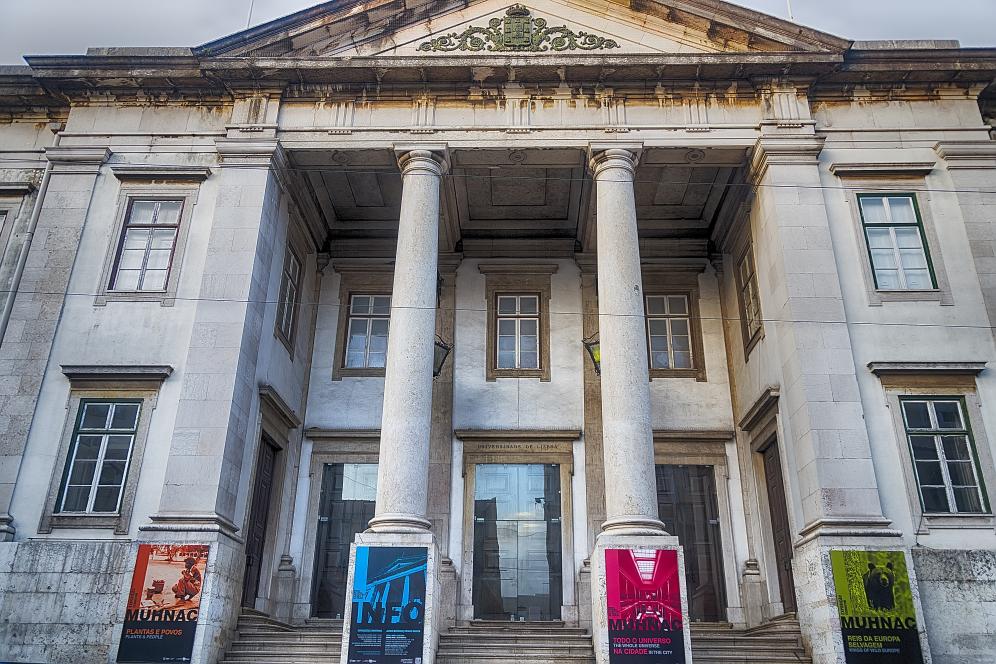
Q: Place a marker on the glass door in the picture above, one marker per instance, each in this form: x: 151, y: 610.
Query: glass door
x: 517, y: 542
x: 686, y: 499
x: 349, y: 491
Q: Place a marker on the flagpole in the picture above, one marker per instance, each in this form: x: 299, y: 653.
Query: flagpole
x: 789, y: 3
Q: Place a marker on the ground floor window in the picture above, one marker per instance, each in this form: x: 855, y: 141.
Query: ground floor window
x: 349, y: 492
x: 518, y: 566
x: 686, y: 500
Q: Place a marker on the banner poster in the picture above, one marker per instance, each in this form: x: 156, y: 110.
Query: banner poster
x: 643, y: 593
x: 163, y: 603
x: 387, y: 613
x: 875, y: 603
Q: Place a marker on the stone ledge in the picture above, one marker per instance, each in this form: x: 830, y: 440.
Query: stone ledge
x: 117, y: 373
x: 929, y: 368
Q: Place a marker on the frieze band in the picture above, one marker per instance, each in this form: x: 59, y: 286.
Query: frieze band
x: 517, y: 31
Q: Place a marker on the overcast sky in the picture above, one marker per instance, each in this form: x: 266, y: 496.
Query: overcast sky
x: 70, y: 26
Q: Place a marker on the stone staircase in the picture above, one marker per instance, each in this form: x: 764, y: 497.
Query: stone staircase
x: 262, y: 640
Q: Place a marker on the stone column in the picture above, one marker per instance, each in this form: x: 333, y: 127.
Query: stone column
x: 627, y: 434
x: 402, y: 486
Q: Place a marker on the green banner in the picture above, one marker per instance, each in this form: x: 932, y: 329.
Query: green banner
x: 875, y: 603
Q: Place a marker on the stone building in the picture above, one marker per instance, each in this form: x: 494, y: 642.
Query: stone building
x: 783, y: 243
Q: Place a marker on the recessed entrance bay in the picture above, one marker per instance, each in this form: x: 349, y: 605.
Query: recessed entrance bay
x: 517, y: 542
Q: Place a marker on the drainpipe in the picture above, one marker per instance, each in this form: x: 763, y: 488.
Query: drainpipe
x: 22, y: 257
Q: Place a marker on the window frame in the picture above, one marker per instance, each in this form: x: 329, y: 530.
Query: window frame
x: 356, y: 283
x: 691, y: 294
x: 929, y: 385
x: 518, y: 318
x: 144, y: 392
x: 897, y: 185
x: 750, y: 338
x: 288, y: 337
x: 184, y: 192
x: 369, y: 316
x: 942, y: 461
x: 517, y: 279
x: 892, y: 225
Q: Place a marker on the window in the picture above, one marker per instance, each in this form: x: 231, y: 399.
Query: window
x: 290, y: 290
x: 944, y: 457
x: 145, y: 251
x: 366, y: 338
x: 750, y: 303
x: 669, y: 332
x: 518, y: 332
x: 896, y: 244
x: 99, y: 456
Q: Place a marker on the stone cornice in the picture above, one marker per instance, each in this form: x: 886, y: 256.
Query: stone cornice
x: 926, y: 368
x: 270, y: 397
x: 124, y: 373
x: 77, y: 159
x: 882, y: 169
x: 159, y: 172
x: 967, y: 154
x: 801, y: 150
x: 760, y: 409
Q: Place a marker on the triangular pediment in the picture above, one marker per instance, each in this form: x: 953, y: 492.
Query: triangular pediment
x: 536, y: 27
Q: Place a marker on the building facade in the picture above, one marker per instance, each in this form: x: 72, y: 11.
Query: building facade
x: 506, y: 279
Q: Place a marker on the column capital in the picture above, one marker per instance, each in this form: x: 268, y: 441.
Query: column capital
x: 432, y: 159
x: 78, y: 159
x: 603, y: 157
x: 801, y: 150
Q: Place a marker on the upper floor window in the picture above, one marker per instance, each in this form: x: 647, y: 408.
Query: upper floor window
x: 669, y: 331
x: 145, y: 250
x: 518, y: 331
x: 750, y: 302
x: 290, y: 290
x: 100, y: 451
x: 366, y: 336
x: 944, y: 456
x: 896, y: 244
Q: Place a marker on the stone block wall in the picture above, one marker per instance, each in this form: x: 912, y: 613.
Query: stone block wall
x: 958, y: 594
x: 61, y: 602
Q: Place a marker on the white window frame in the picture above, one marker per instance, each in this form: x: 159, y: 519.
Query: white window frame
x: 369, y: 318
x: 150, y: 228
x: 668, y: 318
x: 518, y: 317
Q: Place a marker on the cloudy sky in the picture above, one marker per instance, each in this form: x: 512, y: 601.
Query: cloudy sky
x: 70, y: 26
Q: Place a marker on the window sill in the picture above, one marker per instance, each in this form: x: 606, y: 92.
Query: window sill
x: 880, y: 295
x: 944, y: 521
x: 85, y: 520
x: 339, y: 374
x: 697, y: 374
x: 164, y: 298
x: 495, y: 374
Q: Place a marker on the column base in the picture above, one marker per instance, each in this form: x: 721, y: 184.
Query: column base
x: 395, y: 596
x: 635, y: 526
x: 398, y: 523
x: 676, y: 639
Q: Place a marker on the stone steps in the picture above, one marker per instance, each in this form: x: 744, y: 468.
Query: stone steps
x: 262, y: 640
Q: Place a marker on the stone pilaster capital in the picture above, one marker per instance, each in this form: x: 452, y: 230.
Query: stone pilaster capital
x: 801, y: 150
x: 967, y: 154
x: 77, y: 158
x: 424, y: 159
x: 248, y: 152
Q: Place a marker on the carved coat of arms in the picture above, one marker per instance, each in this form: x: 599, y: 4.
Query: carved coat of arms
x: 518, y: 31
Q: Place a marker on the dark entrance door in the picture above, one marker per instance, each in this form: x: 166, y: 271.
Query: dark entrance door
x: 349, y: 493
x: 781, y: 531
x: 517, y: 542
x: 259, y: 512
x: 686, y: 500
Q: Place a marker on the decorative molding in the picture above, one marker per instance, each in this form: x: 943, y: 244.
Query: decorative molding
x: 192, y: 523
x: 967, y: 154
x: 857, y: 526
x: 927, y: 368
x: 693, y: 436
x: 269, y: 397
x: 517, y: 434
x: 883, y: 169
x: 319, y: 433
x: 760, y: 408
x: 517, y: 32
x: 16, y: 188
x: 117, y: 373
x: 159, y: 172
x: 82, y: 160
x: 518, y: 268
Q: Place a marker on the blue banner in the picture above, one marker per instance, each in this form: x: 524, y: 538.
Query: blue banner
x: 387, y: 611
